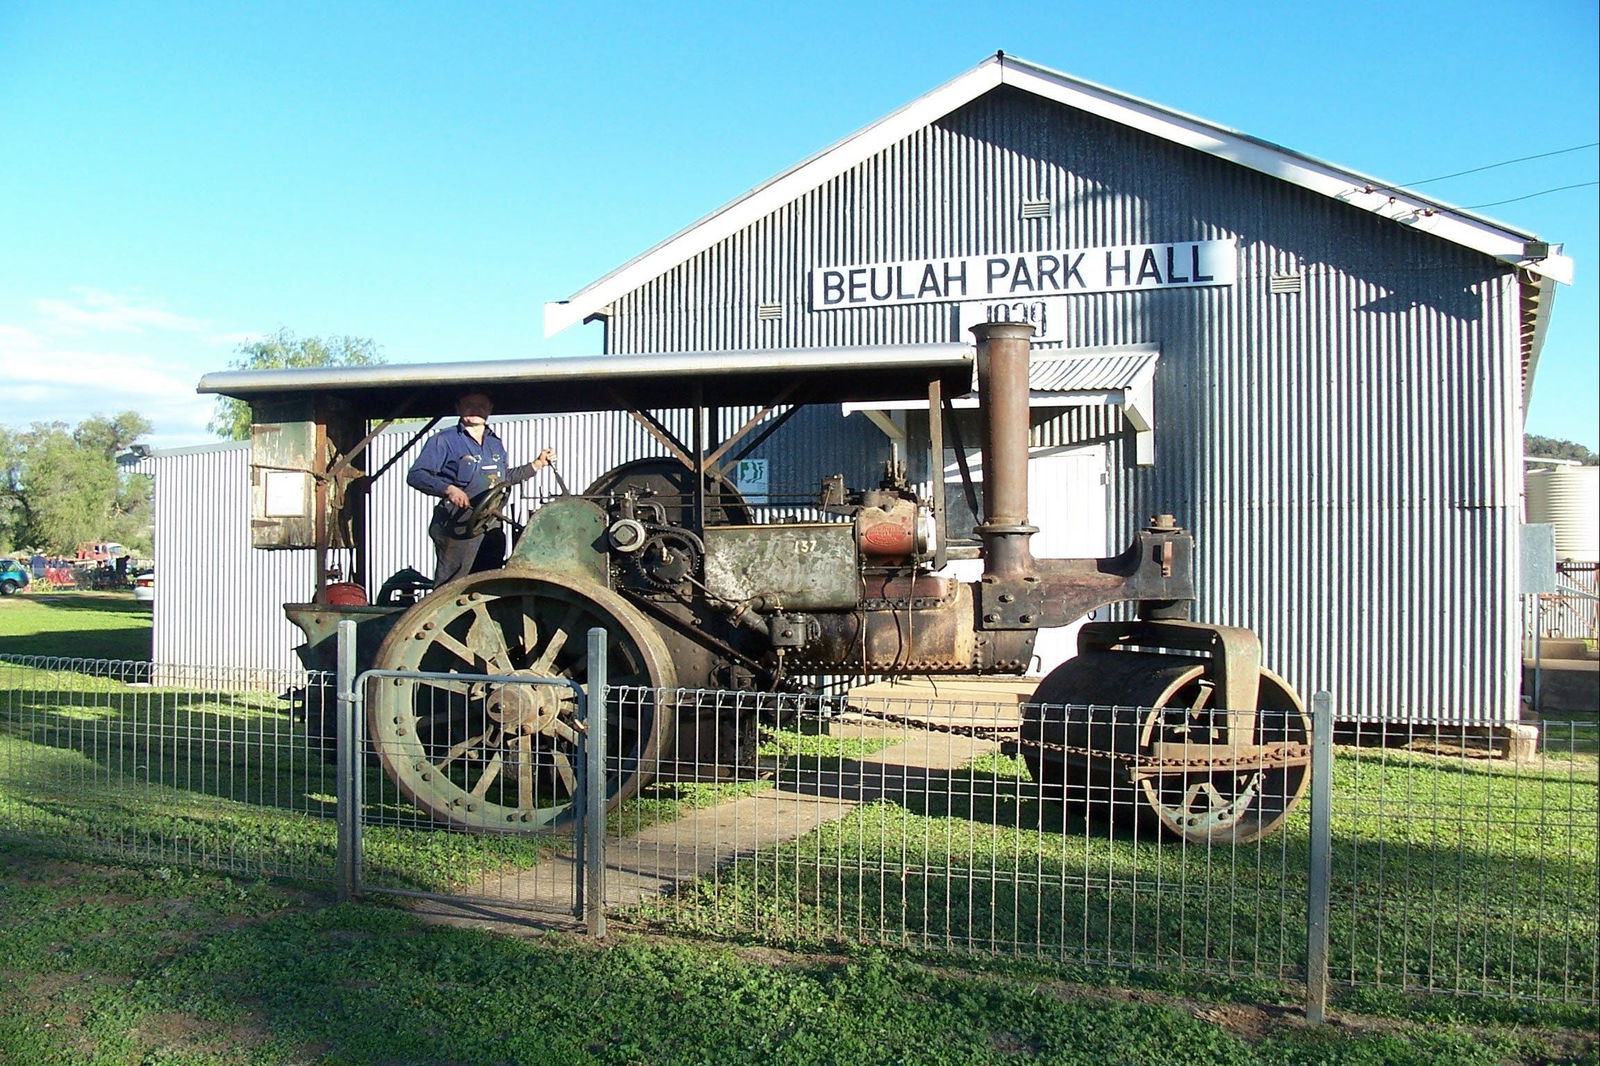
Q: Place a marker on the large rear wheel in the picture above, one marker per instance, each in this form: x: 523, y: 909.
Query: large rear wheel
x: 504, y: 757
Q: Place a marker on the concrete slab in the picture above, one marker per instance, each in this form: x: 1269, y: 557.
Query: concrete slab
x: 1565, y: 687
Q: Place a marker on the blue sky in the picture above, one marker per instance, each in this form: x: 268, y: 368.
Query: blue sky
x: 179, y: 177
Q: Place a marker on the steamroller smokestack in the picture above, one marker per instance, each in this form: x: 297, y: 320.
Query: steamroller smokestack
x: 1003, y: 389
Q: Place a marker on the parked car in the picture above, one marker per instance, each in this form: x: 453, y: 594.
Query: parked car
x: 13, y: 576
x: 144, y: 587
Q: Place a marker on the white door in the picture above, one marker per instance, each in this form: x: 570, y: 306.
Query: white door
x: 1067, y: 501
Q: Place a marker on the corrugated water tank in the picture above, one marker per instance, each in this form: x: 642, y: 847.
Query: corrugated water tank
x: 1568, y: 497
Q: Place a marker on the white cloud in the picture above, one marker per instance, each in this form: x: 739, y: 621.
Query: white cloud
x: 91, y: 310
x: 54, y: 372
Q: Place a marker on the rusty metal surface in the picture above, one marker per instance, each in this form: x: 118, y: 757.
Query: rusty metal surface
x: 1233, y: 655
x: 1003, y: 388
x: 809, y: 567
x: 935, y: 637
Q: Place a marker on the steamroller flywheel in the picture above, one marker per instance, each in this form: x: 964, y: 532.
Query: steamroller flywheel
x: 505, y: 757
x: 1135, y: 737
x: 670, y: 483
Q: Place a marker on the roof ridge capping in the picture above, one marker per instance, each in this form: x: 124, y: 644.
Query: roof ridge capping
x: 1477, y: 232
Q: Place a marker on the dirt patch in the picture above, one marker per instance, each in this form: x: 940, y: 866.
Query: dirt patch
x: 1251, y: 1023
x: 170, y: 1030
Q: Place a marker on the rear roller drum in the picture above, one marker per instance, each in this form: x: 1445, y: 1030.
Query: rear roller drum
x: 496, y: 757
x: 1113, y: 729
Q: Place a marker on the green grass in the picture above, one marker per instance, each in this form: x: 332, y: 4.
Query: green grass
x: 75, y: 625
x: 216, y: 779
x: 112, y: 965
x: 1438, y: 887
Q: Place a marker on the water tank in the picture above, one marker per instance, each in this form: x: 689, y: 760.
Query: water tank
x: 1568, y: 497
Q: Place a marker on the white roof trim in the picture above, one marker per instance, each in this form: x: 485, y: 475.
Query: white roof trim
x: 1406, y: 208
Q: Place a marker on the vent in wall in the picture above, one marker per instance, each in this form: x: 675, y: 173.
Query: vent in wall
x: 1036, y: 208
x: 1285, y: 283
x: 768, y: 312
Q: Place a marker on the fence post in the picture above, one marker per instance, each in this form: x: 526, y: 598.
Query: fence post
x: 1538, y: 652
x: 594, y: 824
x: 347, y: 768
x: 1319, y: 865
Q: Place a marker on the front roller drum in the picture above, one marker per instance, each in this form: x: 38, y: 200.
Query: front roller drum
x: 493, y: 757
x: 1114, y: 730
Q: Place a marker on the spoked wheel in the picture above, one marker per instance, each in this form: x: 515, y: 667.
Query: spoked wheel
x: 504, y: 757
x: 1118, y: 728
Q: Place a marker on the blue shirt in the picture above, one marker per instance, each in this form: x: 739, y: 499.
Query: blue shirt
x: 452, y: 457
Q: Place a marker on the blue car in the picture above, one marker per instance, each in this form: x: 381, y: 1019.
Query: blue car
x: 13, y: 576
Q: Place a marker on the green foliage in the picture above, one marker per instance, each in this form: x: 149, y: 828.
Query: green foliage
x: 61, y: 486
x: 284, y: 351
x: 1551, y: 448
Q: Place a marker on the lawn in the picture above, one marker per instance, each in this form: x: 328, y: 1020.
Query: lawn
x: 959, y: 916
x: 75, y: 625
x: 107, y: 964
x: 1448, y: 876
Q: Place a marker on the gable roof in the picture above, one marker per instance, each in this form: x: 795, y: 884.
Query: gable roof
x: 1406, y: 208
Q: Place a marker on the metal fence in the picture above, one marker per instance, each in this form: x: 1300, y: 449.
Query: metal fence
x: 922, y: 818
x: 210, y: 768
x: 1568, y: 613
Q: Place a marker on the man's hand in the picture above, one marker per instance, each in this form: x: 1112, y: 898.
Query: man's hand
x: 545, y: 457
x: 458, y: 497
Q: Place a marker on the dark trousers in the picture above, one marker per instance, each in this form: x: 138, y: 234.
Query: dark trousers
x: 455, y: 557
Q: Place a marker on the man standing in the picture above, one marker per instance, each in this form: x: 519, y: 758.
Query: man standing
x: 457, y: 465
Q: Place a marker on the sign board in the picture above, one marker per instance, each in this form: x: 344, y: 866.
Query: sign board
x: 1012, y: 276
x: 751, y: 477
x: 1538, y: 559
x: 287, y: 494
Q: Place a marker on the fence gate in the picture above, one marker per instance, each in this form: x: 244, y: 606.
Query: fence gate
x: 507, y: 764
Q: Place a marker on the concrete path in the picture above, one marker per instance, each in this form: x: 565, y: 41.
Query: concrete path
x: 661, y: 857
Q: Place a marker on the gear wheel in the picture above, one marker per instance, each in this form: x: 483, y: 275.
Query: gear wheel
x: 668, y: 558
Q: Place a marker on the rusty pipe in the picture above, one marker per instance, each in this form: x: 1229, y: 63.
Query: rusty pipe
x: 1003, y: 389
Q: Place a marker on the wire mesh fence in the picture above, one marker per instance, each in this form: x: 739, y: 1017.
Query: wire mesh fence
x: 1455, y: 871
x: 958, y: 826
x: 470, y: 788
x: 961, y: 819
x: 197, y: 766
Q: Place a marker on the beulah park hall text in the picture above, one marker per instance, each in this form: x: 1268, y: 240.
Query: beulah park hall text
x: 1140, y: 266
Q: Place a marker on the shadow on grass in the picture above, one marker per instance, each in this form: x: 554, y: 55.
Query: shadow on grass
x: 215, y: 780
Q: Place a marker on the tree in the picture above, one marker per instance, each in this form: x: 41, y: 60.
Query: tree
x: 60, y: 487
x: 280, y: 351
x: 1551, y: 448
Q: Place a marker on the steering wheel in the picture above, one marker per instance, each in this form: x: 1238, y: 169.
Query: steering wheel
x: 483, y: 513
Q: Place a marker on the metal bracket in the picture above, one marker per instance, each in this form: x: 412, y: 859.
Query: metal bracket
x: 1009, y: 602
x: 1235, y: 656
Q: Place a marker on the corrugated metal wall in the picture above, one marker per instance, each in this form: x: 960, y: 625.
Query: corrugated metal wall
x: 216, y: 597
x: 1346, y: 455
